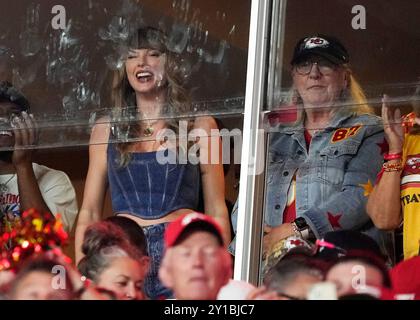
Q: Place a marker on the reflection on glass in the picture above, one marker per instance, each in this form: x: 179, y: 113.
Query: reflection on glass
x: 318, y: 179
x: 30, y: 37
x: 325, y: 170
x: 69, y: 71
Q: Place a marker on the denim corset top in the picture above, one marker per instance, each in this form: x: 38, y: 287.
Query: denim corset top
x: 148, y: 189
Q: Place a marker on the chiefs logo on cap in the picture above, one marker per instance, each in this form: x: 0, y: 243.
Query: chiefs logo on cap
x: 191, y: 217
x: 315, y: 42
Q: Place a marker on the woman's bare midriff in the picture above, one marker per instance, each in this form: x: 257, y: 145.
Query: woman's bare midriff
x: 168, y: 218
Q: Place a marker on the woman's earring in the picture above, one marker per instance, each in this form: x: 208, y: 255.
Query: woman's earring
x: 160, y: 81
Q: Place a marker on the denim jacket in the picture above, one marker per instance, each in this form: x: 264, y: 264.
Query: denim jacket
x: 333, y: 178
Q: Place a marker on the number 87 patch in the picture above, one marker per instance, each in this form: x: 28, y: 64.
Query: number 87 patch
x: 345, y: 133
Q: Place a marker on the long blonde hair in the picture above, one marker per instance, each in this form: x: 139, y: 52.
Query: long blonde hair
x: 356, y: 96
x: 177, y: 99
x: 352, y: 98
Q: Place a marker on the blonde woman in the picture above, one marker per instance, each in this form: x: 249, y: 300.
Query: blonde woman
x: 143, y: 189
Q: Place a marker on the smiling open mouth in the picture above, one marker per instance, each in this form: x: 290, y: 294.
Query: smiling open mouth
x: 144, y: 76
x: 6, y: 133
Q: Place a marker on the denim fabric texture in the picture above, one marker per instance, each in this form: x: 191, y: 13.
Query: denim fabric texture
x: 155, y: 247
x: 333, y: 176
x: 150, y: 190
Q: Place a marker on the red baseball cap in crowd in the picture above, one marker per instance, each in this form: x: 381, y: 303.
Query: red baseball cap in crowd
x: 187, y: 224
x: 405, y: 278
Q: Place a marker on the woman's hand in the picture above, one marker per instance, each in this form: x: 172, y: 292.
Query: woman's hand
x: 393, y: 128
x: 273, y: 235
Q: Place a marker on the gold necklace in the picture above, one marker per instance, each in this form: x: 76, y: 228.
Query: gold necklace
x: 3, y: 186
x: 148, y: 130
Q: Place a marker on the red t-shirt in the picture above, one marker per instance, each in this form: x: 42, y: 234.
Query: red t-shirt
x: 289, y: 214
x: 308, y: 139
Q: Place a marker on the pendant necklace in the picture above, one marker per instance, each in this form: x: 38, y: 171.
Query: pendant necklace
x: 148, y: 130
x: 3, y: 186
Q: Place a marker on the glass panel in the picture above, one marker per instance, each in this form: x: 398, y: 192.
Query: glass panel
x: 64, y: 59
x: 70, y: 60
x: 325, y: 152
x: 381, y: 51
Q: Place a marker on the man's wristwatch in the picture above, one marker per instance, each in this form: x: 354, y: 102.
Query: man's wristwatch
x: 301, y: 228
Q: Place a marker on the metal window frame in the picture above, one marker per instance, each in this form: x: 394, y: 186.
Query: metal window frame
x: 267, y: 17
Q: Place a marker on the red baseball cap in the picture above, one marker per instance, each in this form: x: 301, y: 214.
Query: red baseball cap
x: 191, y: 221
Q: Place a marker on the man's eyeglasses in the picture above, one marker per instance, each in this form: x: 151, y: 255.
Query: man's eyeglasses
x: 324, y: 66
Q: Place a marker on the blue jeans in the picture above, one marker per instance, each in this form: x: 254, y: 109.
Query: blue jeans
x: 155, y: 247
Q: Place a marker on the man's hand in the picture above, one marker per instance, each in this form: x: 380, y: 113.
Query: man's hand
x: 26, y: 135
x: 273, y: 235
